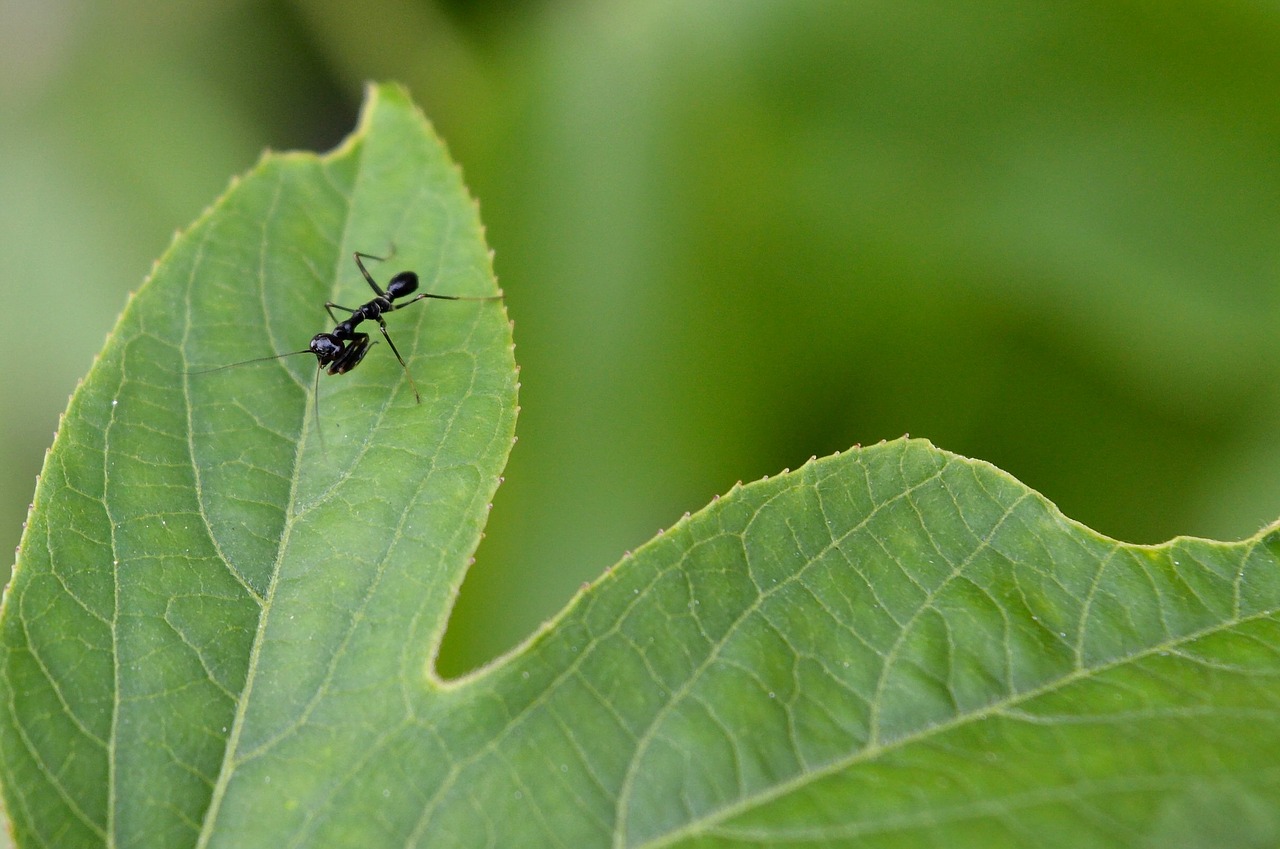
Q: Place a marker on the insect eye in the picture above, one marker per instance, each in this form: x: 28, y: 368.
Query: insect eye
x: 402, y: 284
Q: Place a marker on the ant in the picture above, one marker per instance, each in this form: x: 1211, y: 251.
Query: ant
x: 342, y: 349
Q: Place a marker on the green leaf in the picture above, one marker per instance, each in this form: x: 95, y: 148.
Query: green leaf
x: 205, y: 580
x: 222, y: 628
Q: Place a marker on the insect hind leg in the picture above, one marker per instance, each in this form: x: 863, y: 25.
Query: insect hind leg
x: 369, y: 277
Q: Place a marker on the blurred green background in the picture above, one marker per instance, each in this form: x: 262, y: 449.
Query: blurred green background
x: 732, y: 235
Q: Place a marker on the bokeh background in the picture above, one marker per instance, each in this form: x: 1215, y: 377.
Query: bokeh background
x: 732, y: 235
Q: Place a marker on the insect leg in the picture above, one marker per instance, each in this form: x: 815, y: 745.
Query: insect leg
x: 421, y: 295
x: 331, y: 306
x: 367, y: 276
x: 383, y: 325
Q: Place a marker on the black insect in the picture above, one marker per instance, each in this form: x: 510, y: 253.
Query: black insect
x: 341, y: 349
x: 344, y: 347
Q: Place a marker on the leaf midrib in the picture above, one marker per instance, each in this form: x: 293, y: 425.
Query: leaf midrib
x: 232, y: 757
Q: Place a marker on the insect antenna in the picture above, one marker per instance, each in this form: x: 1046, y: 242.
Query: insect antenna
x: 315, y: 407
x: 315, y: 390
x: 246, y: 362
